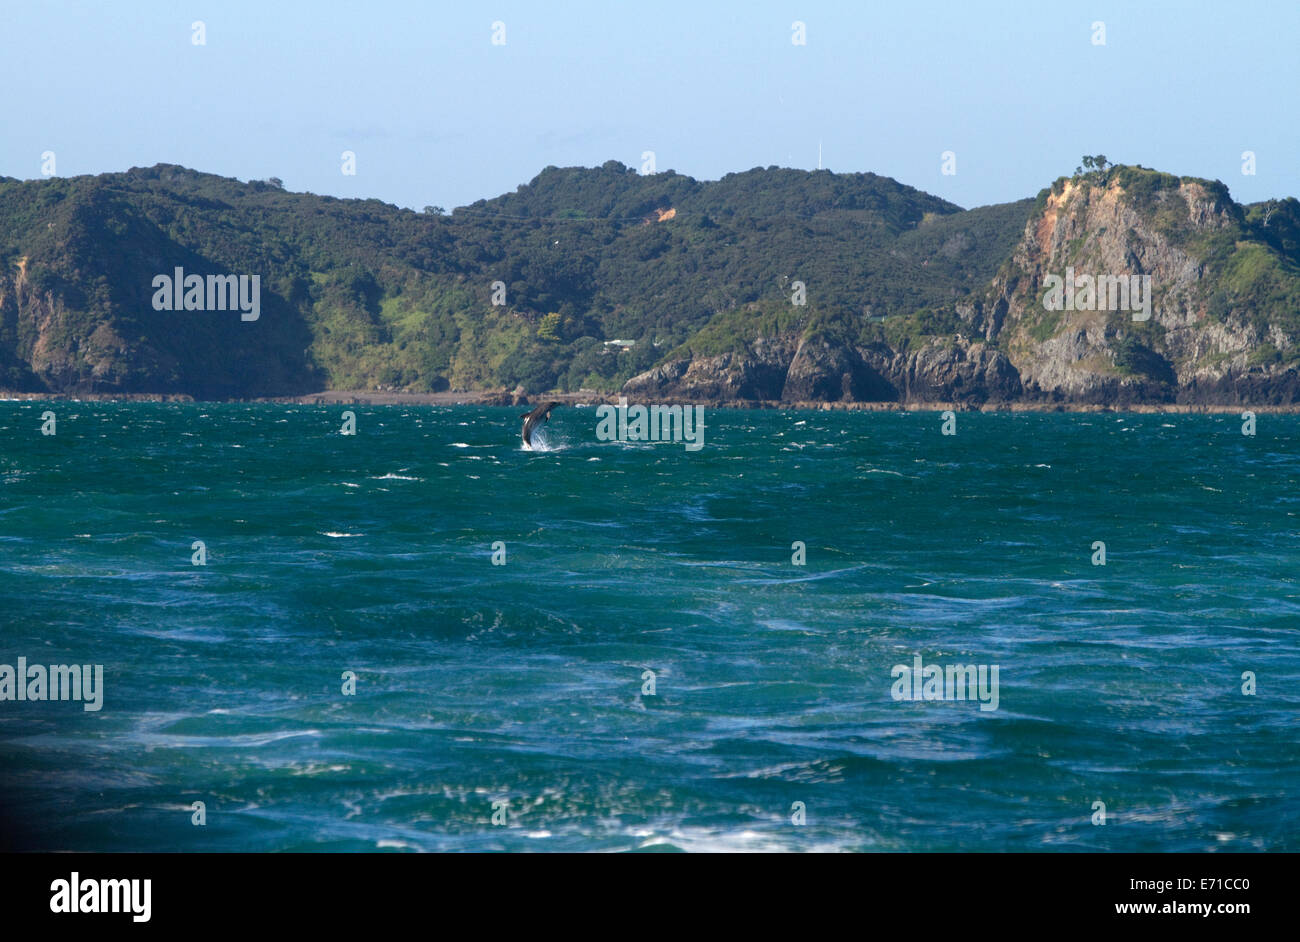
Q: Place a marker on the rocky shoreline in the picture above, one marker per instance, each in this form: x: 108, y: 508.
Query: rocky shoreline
x: 499, y: 397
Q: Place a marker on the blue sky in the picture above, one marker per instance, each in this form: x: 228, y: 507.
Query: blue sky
x: 437, y: 114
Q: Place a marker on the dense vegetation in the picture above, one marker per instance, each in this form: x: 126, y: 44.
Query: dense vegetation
x: 361, y: 294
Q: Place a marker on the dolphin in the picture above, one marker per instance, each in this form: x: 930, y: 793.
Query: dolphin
x: 541, y: 414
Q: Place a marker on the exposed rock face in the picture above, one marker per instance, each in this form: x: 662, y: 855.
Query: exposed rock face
x: 757, y: 374
x: 50, y: 344
x: 960, y: 371
x: 1098, y: 354
x: 825, y: 372
x: 822, y: 371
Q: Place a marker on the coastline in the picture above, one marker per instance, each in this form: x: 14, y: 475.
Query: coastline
x: 500, y: 397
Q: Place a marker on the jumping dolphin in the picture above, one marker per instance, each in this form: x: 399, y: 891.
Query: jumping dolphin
x: 541, y: 414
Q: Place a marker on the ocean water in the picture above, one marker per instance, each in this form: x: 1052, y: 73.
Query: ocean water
x: 519, y: 690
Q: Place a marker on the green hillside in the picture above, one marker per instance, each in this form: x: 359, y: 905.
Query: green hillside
x: 359, y: 293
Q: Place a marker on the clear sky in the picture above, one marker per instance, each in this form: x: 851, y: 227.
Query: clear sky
x: 438, y: 114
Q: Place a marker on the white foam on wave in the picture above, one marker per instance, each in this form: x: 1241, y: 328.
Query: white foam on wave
x: 708, y: 841
x: 316, y: 768
x: 395, y: 845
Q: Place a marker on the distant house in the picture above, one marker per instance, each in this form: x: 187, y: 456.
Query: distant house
x: 622, y: 344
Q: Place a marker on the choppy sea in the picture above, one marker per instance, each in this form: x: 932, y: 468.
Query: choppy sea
x: 630, y: 646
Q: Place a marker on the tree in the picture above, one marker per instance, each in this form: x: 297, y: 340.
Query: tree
x: 547, y: 330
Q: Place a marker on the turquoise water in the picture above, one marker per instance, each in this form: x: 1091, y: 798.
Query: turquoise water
x: 523, y: 682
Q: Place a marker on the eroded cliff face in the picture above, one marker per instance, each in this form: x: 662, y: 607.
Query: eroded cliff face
x: 1105, y: 351
x: 48, y: 345
x: 821, y: 370
x: 757, y: 373
x: 1180, y: 335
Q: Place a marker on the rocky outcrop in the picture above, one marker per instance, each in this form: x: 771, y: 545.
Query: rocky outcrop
x: 758, y: 373
x: 822, y: 370
x: 959, y: 371
x: 1177, y: 349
